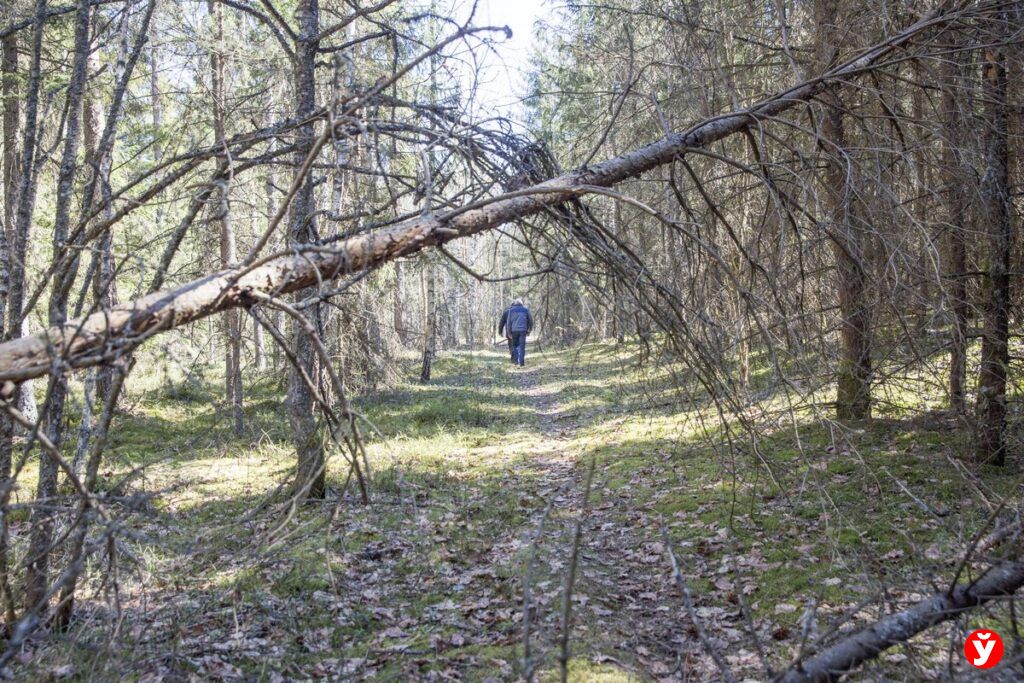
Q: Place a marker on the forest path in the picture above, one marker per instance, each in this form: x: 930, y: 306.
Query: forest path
x: 626, y: 614
x: 428, y: 582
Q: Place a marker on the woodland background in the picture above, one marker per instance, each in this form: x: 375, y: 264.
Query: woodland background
x: 257, y: 423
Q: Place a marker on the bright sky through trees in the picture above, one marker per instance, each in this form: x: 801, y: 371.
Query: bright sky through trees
x: 501, y: 83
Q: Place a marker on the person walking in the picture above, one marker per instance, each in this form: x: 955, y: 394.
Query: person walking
x: 517, y: 323
x: 503, y: 329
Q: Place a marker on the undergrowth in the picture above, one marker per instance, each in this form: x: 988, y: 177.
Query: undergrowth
x: 777, y: 533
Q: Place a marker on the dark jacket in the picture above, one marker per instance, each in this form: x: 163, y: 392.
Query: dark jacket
x: 515, y: 319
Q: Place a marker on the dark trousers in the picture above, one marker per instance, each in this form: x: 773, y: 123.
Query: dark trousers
x: 518, y: 348
x: 511, y: 348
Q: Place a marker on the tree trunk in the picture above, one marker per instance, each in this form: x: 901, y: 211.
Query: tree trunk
x: 101, y: 258
x: 397, y: 303
x: 259, y: 346
x: 853, y: 379
x: 853, y: 376
x: 954, y: 173
x: 25, y: 197
x: 429, y: 321
x: 92, y: 340
x: 310, y: 475
x: 741, y: 325
x: 157, y: 112
x: 156, y: 104
x: 38, y: 559
x: 100, y: 150
x: 471, y: 326
x: 222, y: 207
x: 11, y: 121
x: 66, y: 602
x: 269, y: 191
x: 996, y: 219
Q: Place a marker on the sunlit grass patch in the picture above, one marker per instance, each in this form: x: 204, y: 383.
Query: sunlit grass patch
x: 852, y: 510
x: 583, y: 669
x: 800, y: 511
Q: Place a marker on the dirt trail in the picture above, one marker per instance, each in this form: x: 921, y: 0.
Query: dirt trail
x: 434, y: 590
x: 626, y: 613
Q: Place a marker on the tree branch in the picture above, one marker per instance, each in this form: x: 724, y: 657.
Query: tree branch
x: 1000, y: 581
x: 103, y: 336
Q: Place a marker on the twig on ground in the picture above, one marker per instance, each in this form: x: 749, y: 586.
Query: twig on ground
x: 1000, y: 581
x: 705, y: 640
x: 570, y: 577
x: 538, y: 535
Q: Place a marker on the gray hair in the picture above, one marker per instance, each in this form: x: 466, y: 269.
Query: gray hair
x: 517, y: 302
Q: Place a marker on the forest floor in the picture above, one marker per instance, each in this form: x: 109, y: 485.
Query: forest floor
x: 477, y: 494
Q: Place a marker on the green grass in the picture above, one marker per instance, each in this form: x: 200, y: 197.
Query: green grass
x: 427, y: 580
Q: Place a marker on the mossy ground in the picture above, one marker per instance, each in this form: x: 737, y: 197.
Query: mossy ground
x: 777, y: 536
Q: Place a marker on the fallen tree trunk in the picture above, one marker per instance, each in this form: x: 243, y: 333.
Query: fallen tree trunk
x: 1000, y: 581
x: 110, y: 333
